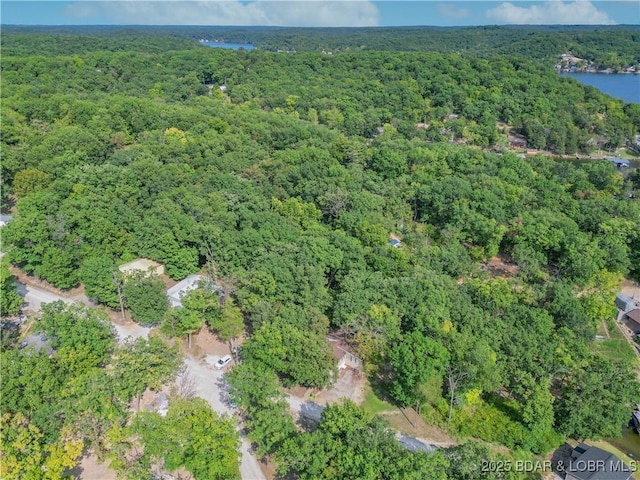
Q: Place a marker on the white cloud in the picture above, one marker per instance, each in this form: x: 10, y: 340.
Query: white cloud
x: 302, y: 13
x: 550, y: 12
x: 450, y: 10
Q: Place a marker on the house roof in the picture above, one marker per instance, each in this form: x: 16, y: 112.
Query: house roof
x: 597, y: 464
x: 634, y: 315
x: 623, y: 302
x: 633, y: 325
x: 339, y: 348
x: 181, y: 288
x: 141, y: 264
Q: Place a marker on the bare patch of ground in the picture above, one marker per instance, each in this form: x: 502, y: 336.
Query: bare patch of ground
x: 205, y: 343
x: 90, y: 468
x: 409, y: 422
x: 75, y: 294
x: 350, y: 384
x: 630, y: 288
x: 501, y: 265
x: 269, y: 468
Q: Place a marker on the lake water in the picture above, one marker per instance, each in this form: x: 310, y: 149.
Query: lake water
x: 623, y: 86
x: 230, y: 46
x: 629, y: 443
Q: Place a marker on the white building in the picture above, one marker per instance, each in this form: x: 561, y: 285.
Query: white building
x: 142, y: 265
x: 176, y: 293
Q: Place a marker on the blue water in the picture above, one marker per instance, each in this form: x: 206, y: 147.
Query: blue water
x: 623, y: 86
x: 230, y: 46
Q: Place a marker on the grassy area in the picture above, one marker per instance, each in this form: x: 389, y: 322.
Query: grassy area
x: 626, y: 153
x: 617, y: 347
x: 374, y: 405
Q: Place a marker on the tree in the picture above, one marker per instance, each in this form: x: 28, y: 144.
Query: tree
x: 471, y: 364
x: 252, y: 385
x: 30, y: 180
x: 414, y: 359
x: 26, y: 455
x: 349, y: 443
x: 10, y: 300
x: 270, y: 426
x: 537, y: 415
x: 191, y: 436
x: 97, y: 276
x: 143, y: 364
x: 228, y: 324
x: 298, y: 356
x: 596, y: 399
x: 82, y: 335
x: 469, y: 461
x: 146, y: 298
x: 182, y: 321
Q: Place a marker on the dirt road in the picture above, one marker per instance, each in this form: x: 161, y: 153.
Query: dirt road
x: 209, y: 381
x: 313, y: 411
x: 210, y: 386
x: 35, y: 297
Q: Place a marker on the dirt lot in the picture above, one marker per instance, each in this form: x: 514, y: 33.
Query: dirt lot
x: 501, y: 266
x: 90, y: 468
x: 631, y: 289
x: 408, y: 421
x: 350, y: 384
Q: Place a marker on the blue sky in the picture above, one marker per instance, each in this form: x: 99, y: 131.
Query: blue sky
x: 319, y: 12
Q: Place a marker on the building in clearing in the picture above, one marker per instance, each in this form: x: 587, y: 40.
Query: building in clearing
x: 632, y: 320
x: 624, y: 303
x: 142, y: 265
x: 176, y: 293
x: 345, y: 357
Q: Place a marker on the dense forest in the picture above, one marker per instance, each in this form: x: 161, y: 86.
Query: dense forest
x: 606, y: 46
x: 285, y: 189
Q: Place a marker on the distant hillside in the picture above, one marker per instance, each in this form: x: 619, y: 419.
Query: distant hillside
x: 615, y: 47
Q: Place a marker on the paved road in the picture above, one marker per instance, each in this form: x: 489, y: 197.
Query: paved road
x: 210, y: 386
x: 35, y: 297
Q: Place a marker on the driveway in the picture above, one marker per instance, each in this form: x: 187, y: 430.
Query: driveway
x: 209, y: 382
x: 210, y: 386
x: 36, y: 297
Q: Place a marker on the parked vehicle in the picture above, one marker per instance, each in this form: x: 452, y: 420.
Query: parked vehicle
x: 223, y: 362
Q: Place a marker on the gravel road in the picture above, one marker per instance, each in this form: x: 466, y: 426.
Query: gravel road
x: 209, y: 385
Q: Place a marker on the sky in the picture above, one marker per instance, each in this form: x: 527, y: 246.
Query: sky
x: 320, y: 13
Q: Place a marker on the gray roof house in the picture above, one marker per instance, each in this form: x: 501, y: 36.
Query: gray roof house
x: 624, y: 303
x: 593, y: 463
x: 176, y: 293
x: 632, y: 320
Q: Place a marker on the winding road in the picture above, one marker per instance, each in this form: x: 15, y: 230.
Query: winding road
x: 209, y: 383
x: 210, y: 386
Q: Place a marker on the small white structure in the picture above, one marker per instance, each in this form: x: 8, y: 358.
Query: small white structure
x: 176, y: 293
x: 141, y: 265
x: 4, y: 219
x: 345, y: 357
